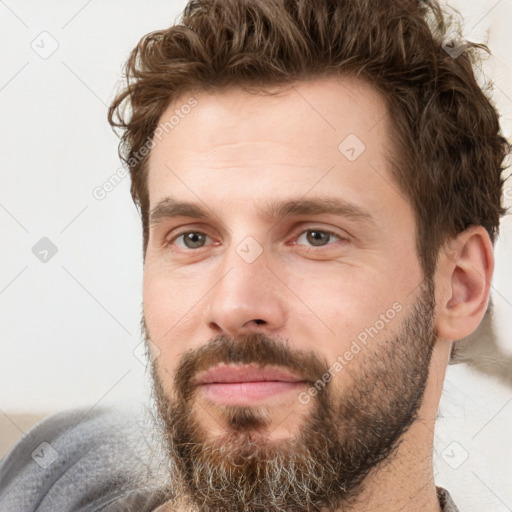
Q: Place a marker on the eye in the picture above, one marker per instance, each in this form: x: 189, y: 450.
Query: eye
x: 318, y: 237
x: 190, y: 240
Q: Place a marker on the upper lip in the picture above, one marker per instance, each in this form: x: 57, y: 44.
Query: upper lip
x: 245, y: 373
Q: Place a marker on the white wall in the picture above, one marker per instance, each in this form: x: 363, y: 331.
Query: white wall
x: 70, y: 325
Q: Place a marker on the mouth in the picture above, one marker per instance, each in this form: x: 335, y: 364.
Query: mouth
x: 246, y: 384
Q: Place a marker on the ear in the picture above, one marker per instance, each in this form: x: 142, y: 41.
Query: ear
x: 463, y: 280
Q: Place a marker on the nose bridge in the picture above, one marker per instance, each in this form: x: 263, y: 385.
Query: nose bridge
x: 244, y: 296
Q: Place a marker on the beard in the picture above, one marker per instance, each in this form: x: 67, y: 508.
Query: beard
x: 342, y: 434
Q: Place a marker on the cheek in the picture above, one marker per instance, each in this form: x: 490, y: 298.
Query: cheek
x: 171, y: 310
x: 346, y: 312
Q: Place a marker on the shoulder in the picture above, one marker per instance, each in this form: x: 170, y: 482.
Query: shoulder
x: 81, y: 459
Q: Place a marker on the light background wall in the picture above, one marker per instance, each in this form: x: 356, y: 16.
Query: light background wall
x: 70, y: 326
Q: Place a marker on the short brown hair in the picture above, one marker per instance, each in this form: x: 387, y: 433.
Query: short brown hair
x: 449, y: 148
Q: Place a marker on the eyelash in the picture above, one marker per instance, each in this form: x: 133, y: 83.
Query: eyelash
x: 295, y: 235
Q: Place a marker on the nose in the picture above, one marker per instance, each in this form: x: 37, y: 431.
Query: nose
x: 247, y: 297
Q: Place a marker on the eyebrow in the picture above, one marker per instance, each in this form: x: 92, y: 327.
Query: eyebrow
x: 169, y: 208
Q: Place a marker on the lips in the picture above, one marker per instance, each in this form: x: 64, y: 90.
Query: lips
x: 246, y: 373
x: 247, y: 384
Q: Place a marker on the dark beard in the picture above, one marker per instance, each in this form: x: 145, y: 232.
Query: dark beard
x: 341, y: 438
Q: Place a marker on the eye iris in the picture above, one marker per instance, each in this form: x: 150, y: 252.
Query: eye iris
x: 193, y: 240
x: 317, y: 237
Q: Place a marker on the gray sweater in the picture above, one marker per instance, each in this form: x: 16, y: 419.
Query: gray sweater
x: 85, y: 460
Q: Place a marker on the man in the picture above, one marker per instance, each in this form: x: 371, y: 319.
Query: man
x: 320, y: 189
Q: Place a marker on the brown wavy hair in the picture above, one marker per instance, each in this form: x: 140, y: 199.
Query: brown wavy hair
x: 449, y: 150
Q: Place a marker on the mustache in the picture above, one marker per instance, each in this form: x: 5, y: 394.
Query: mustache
x: 253, y: 348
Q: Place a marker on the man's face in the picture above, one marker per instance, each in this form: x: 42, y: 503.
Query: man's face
x: 285, y: 331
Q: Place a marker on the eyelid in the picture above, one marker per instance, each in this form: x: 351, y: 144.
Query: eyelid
x: 176, y: 231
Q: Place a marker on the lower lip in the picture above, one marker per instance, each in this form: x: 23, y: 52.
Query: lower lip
x: 243, y: 393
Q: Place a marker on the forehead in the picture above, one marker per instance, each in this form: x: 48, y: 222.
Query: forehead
x: 318, y: 134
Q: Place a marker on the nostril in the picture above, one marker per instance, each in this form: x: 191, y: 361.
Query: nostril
x: 259, y: 321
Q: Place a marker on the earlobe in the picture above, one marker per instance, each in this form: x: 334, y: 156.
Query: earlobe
x: 463, y: 279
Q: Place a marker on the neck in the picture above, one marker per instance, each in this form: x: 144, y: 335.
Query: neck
x: 404, y: 482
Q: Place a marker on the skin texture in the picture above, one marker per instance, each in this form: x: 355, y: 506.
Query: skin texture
x: 234, y: 153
